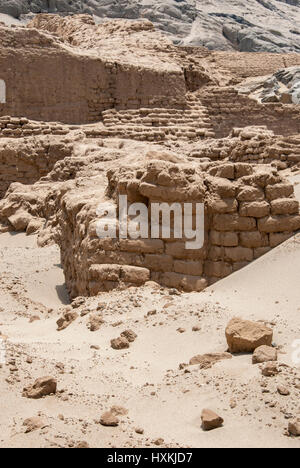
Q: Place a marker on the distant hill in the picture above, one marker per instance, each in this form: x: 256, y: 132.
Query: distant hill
x: 244, y: 25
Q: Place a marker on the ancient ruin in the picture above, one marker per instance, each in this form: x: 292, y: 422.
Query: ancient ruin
x: 216, y: 145
x: 90, y: 112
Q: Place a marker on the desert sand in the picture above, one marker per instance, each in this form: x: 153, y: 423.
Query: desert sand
x: 161, y: 399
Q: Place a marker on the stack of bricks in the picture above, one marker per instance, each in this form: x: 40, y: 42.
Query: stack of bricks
x: 247, y: 213
x: 154, y: 124
x: 16, y: 127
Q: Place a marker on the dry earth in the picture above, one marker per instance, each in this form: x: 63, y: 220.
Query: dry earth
x: 161, y: 399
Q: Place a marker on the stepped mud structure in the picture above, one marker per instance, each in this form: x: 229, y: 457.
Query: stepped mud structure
x: 89, y: 112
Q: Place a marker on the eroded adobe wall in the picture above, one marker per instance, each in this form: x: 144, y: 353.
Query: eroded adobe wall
x: 18, y: 127
x: 47, y: 81
x: 27, y: 160
x: 228, y: 109
x: 256, y: 145
x: 248, y: 212
x: 246, y: 64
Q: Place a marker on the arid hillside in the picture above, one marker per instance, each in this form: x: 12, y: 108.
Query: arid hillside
x: 244, y: 25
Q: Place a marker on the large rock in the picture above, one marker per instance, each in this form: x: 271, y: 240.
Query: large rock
x: 41, y: 387
x: 244, y: 336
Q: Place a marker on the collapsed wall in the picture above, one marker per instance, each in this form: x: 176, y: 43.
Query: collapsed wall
x: 256, y: 145
x: 247, y: 212
x: 249, y: 209
x: 28, y: 160
x: 228, y: 109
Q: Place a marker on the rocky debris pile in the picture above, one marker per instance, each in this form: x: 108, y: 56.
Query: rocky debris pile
x: 123, y: 342
x: 67, y: 318
x: 95, y: 322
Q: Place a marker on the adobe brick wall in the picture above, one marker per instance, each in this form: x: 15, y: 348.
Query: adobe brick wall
x: 228, y: 109
x: 256, y: 145
x: 248, y: 212
x: 47, y: 81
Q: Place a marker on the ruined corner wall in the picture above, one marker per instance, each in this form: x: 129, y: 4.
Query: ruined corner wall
x: 247, y: 213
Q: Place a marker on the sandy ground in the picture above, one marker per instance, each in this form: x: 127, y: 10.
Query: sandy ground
x: 163, y: 400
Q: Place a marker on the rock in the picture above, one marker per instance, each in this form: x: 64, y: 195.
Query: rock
x: 139, y: 430
x: 34, y: 226
x: 210, y: 420
x: 158, y: 441
x: 270, y: 370
x: 264, y: 354
x: 244, y: 336
x: 41, y: 387
x: 282, y: 390
x: 77, y: 302
x: 120, y: 343
x: 206, y: 361
x: 233, y: 403
x: 95, y: 322
x: 67, y: 318
x: 294, y: 427
x: 20, y: 220
x: 82, y: 445
x: 129, y: 335
x: 34, y: 318
x: 109, y: 419
x: 33, y: 424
